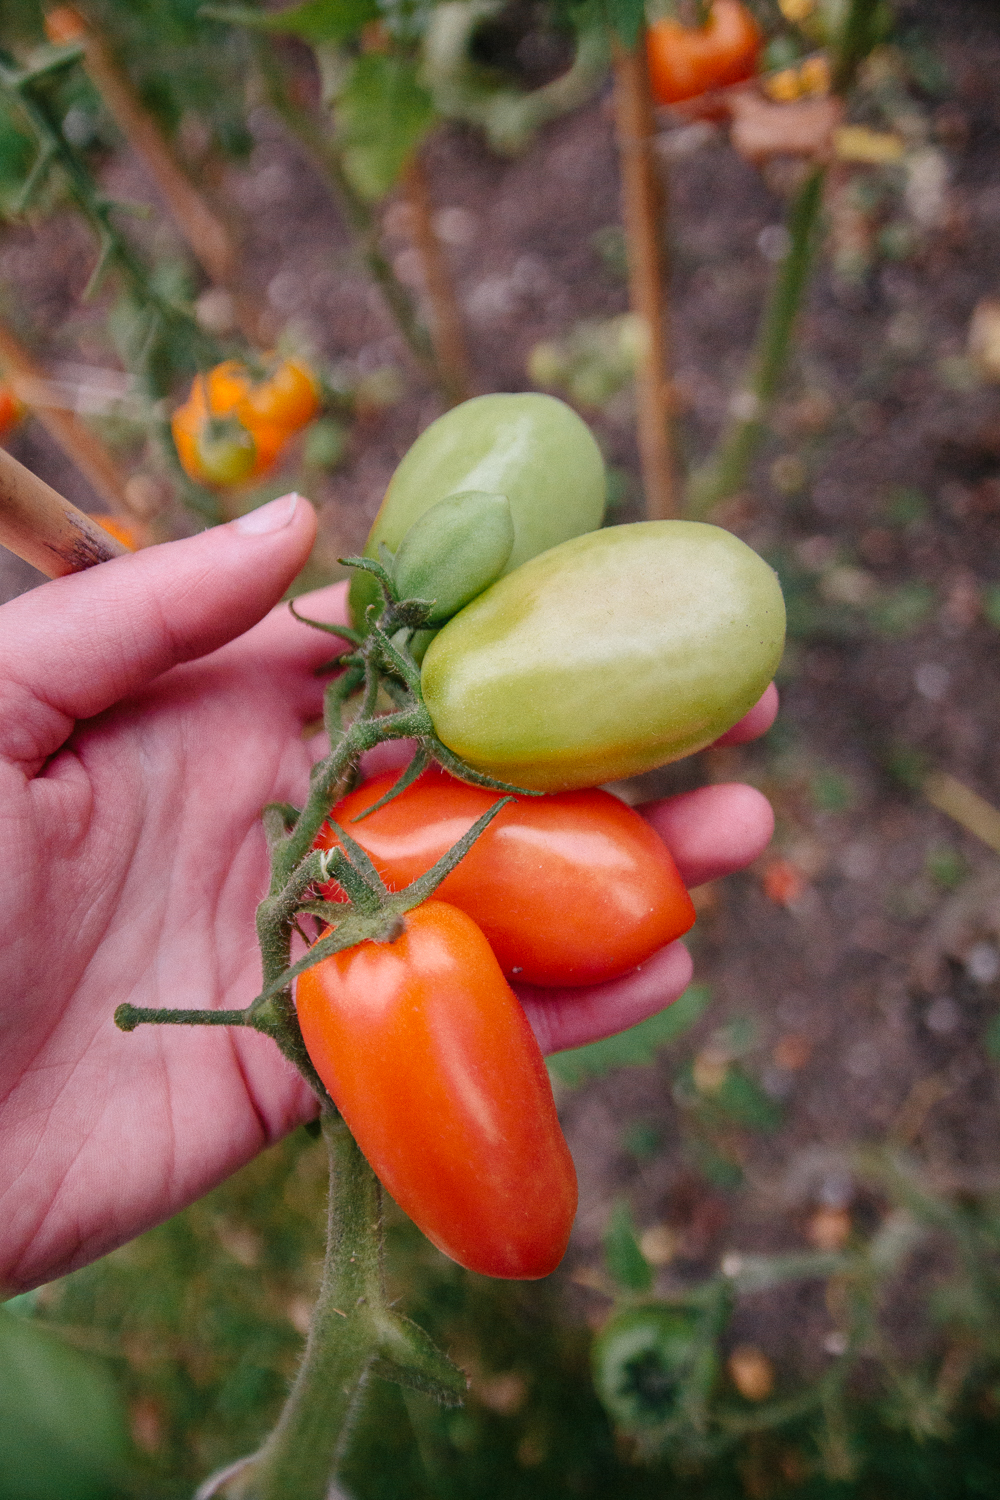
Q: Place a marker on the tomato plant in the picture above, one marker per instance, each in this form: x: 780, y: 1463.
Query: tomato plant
x: 428, y: 1056
x: 574, y: 888
x: 531, y: 448
x: 685, y: 61
x: 608, y: 655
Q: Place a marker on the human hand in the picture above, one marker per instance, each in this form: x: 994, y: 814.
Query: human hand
x: 148, y: 709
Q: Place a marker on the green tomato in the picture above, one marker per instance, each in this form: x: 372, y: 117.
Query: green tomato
x: 529, y: 447
x: 642, y: 1360
x: 454, y: 551
x: 607, y: 655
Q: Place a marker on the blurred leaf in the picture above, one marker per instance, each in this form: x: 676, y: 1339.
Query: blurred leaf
x: 903, y: 610
x: 314, y: 21
x: 627, y: 1265
x: 741, y: 1098
x: 625, y: 17
x: 636, y: 1047
x: 62, y: 1427
x: 831, y: 791
x: 382, y: 115
x: 993, y: 1038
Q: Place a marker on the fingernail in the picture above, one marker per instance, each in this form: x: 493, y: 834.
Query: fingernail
x: 270, y: 517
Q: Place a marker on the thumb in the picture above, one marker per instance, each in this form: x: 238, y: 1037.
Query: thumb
x: 76, y: 645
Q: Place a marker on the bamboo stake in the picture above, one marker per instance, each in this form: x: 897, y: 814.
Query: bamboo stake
x: 29, y: 382
x: 46, y: 530
x: 446, y: 331
x: 208, y: 236
x: 642, y: 209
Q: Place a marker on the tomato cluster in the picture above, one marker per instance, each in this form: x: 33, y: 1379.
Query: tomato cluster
x: 233, y: 425
x: 559, y: 656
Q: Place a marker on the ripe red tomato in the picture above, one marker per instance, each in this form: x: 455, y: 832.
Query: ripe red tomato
x: 685, y: 61
x: 427, y: 1054
x: 573, y: 888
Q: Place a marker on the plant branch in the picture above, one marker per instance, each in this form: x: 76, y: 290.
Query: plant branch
x: 357, y: 214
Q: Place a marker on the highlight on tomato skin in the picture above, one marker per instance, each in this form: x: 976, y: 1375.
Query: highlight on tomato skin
x: 430, y: 1059
x: 686, y: 61
x: 572, y: 888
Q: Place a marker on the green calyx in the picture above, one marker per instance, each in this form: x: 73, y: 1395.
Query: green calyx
x: 454, y: 551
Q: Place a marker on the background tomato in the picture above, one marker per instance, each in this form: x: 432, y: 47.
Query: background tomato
x: 685, y: 61
x: 608, y: 655
x: 428, y: 1055
x: 268, y: 410
x: 531, y: 448
x: 570, y: 889
x: 11, y: 410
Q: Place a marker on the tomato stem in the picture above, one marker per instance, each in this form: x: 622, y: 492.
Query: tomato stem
x: 354, y: 1334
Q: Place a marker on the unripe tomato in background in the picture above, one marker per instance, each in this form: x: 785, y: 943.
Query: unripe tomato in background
x: 571, y: 889
x: 608, y: 655
x: 532, y: 448
x: 685, y: 61
x: 427, y: 1054
x: 269, y: 411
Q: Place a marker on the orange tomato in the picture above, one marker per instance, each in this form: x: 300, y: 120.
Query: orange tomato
x: 119, y: 530
x: 685, y: 61
x: 268, y: 410
x: 11, y: 410
x: 427, y: 1054
x: 64, y: 24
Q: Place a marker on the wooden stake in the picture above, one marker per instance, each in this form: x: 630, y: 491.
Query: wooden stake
x: 643, y: 210
x: 46, y: 530
x: 445, y: 319
x: 29, y: 382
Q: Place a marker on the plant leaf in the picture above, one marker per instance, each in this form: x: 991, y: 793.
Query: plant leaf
x: 313, y: 21
x: 636, y: 1047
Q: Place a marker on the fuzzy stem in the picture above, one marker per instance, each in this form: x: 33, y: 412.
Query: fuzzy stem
x: 445, y: 320
x: 725, y: 471
x: 359, y: 217
x: 300, y: 1456
x: 29, y: 382
x: 643, y: 210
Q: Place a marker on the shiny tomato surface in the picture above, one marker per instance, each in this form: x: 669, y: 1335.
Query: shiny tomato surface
x: 569, y: 889
x: 430, y: 1059
x: 685, y: 61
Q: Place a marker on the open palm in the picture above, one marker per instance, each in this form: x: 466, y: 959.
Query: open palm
x: 145, y: 718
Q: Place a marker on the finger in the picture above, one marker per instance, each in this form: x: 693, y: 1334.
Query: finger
x: 757, y: 722
x: 78, y: 644
x: 713, y: 831
x: 574, y: 1017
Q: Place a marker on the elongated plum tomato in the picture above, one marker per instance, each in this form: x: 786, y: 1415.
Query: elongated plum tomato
x: 685, y: 61
x: 529, y: 447
x: 570, y: 889
x: 608, y: 655
x: 430, y: 1059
